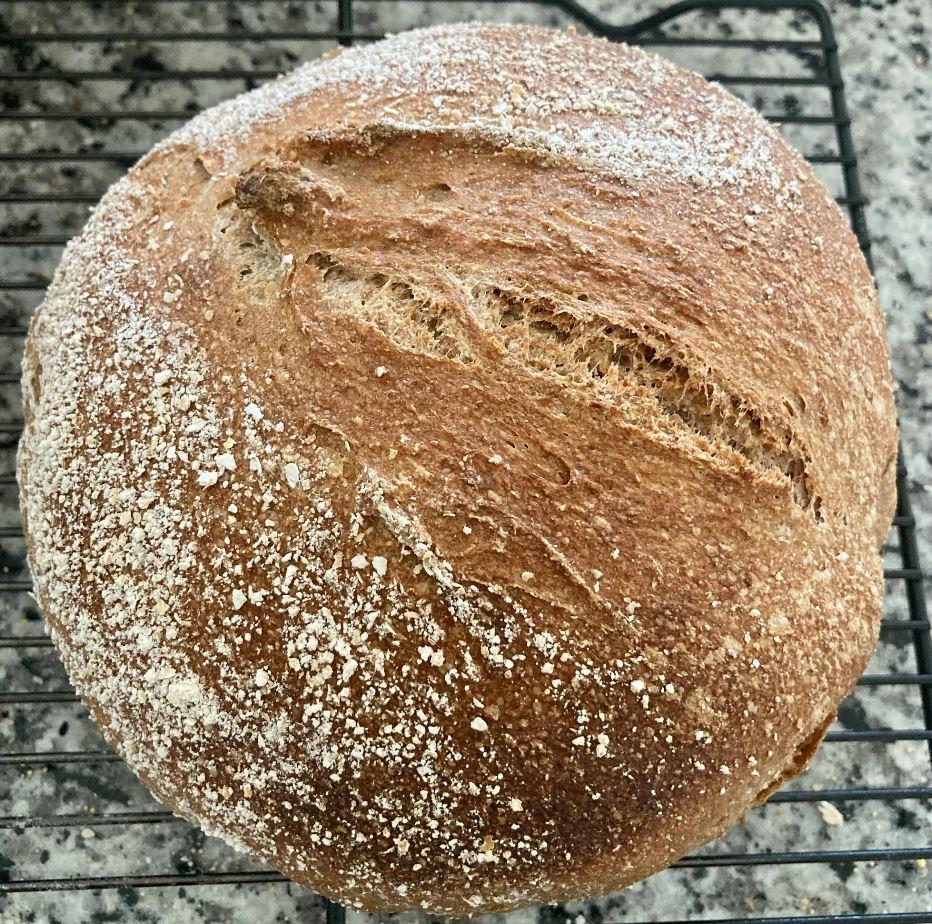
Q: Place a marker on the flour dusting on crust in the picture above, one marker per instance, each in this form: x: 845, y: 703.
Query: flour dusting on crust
x: 520, y: 90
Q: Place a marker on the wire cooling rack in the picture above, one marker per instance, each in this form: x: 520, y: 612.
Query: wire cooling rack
x: 85, y: 89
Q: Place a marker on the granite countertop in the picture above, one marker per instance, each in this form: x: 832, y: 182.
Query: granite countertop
x: 885, y: 59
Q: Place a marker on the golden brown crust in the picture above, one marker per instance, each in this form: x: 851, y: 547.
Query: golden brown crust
x: 423, y: 454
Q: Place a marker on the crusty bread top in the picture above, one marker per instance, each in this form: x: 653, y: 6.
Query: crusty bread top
x: 460, y: 436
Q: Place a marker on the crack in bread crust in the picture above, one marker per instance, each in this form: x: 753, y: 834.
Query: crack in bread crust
x: 586, y: 349
x: 316, y: 179
x: 620, y: 359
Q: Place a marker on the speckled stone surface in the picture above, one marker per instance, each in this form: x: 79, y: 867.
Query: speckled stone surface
x: 885, y: 61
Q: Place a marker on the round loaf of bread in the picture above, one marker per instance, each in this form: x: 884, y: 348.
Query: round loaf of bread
x: 454, y: 473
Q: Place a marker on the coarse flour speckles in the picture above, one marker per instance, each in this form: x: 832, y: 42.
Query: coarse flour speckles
x: 191, y: 596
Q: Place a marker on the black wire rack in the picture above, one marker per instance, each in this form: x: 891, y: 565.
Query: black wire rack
x: 77, y: 109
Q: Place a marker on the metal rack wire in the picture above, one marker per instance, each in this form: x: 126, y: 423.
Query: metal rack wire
x: 41, y: 173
